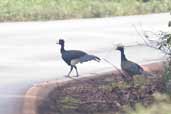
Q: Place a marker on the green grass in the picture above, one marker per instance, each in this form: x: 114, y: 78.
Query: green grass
x: 26, y: 10
x: 161, y: 105
x: 69, y: 102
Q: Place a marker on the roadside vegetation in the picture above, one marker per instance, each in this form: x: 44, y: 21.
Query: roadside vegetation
x: 107, y: 94
x: 161, y: 105
x: 28, y: 10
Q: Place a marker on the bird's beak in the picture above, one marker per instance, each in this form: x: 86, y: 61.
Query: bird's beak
x: 57, y: 42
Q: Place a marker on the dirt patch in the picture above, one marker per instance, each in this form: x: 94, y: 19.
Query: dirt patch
x: 106, y: 94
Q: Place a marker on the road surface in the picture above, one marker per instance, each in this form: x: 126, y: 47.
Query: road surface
x: 29, y: 54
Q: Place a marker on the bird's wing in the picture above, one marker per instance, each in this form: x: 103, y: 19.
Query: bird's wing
x: 73, y: 54
x: 132, y: 67
x: 78, y: 56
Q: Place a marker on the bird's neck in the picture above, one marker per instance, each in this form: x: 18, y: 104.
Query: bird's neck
x: 123, y: 57
x: 62, y: 48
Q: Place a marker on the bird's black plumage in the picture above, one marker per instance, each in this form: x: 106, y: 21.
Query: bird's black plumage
x: 71, y: 54
x: 72, y: 57
x: 130, y: 67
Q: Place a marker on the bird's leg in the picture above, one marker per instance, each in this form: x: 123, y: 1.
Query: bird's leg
x: 70, y: 71
x: 76, y: 71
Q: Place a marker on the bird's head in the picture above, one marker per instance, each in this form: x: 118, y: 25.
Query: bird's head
x: 61, y: 42
x: 120, y: 48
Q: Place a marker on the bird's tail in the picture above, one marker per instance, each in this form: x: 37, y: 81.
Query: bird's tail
x: 89, y: 58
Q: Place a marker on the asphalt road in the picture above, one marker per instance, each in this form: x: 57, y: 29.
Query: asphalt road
x: 29, y: 54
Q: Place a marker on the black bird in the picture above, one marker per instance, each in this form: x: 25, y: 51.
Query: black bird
x: 130, y: 67
x: 72, y: 57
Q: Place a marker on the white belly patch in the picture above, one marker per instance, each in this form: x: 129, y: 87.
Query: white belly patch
x: 75, y: 61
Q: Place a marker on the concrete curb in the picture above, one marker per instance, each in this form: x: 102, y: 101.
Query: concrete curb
x: 37, y: 93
